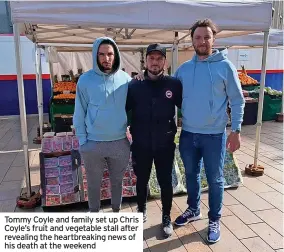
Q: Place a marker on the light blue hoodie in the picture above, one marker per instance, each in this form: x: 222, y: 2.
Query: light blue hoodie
x: 100, y: 101
x: 208, y: 85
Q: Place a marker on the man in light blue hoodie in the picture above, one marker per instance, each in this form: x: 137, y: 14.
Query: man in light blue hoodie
x: 209, y: 82
x: 100, y: 122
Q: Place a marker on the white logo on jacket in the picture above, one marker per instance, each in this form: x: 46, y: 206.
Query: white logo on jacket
x: 169, y: 94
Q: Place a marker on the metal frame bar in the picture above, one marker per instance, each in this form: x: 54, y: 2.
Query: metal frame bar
x: 126, y: 33
x: 50, y: 65
x: 175, y: 65
x: 119, y: 43
x: 39, y: 88
x: 90, y: 45
x: 185, y: 36
x: 115, y: 33
x: 66, y: 31
x: 147, y: 34
x: 22, y: 106
x: 83, y: 35
x: 118, y: 33
x: 261, y: 96
x: 131, y: 33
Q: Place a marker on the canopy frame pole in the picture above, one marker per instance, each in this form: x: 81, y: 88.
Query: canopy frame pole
x: 175, y: 66
x: 261, y: 96
x: 22, y: 106
x: 39, y: 88
x: 50, y: 65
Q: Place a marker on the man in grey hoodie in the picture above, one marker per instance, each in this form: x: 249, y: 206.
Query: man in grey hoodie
x: 100, y: 122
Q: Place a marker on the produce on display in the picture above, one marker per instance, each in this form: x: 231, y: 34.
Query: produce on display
x: 267, y: 90
x: 232, y: 175
x: 63, y: 101
x: 250, y: 100
x: 64, y: 86
x: 58, y: 143
x: 245, y: 79
x: 245, y: 93
x: 58, y: 180
x: 64, y: 96
x: 63, y: 170
x: 272, y: 102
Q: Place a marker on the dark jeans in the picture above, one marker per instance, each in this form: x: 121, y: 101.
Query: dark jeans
x: 212, y: 148
x: 142, y: 164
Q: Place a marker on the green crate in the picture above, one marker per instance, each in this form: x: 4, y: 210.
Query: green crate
x: 250, y: 87
x: 271, y: 106
x: 60, y: 109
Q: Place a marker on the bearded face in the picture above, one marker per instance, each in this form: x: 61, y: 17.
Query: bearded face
x: 203, y: 41
x: 155, y: 62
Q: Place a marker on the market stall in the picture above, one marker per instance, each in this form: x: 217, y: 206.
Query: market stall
x: 269, y: 101
x: 272, y: 103
x: 132, y: 22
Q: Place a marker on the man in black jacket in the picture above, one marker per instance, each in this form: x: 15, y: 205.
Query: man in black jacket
x: 152, y: 104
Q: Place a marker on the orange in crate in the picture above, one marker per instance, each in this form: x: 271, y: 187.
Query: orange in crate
x: 64, y: 96
x: 64, y: 86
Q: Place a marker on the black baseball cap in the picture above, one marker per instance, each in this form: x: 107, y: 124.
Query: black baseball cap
x: 157, y: 48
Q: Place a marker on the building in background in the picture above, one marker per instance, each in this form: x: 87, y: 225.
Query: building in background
x: 9, y: 104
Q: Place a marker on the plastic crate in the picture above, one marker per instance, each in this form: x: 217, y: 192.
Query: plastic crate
x: 250, y: 113
x: 63, y: 101
x: 62, y: 124
x: 250, y: 87
x: 67, y: 109
x: 271, y: 106
x: 62, y: 108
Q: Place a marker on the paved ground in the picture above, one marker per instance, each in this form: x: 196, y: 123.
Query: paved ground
x: 252, y: 214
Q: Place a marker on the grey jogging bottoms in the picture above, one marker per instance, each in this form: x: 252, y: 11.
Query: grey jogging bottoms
x: 117, y: 154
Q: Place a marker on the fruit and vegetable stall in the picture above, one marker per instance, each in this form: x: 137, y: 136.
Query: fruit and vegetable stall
x: 272, y: 103
x: 62, y: 101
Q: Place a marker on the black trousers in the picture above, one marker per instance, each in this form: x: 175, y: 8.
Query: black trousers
x: 142, y: 160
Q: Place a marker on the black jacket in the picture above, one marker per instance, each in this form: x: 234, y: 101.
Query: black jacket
x: 152, y: 108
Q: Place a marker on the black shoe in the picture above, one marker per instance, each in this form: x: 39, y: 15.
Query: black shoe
x: 167, y: 226
x: 144, y: 214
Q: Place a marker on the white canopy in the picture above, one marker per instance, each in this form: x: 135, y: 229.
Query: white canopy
x: 256, y: 40
x: 136, y: 22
